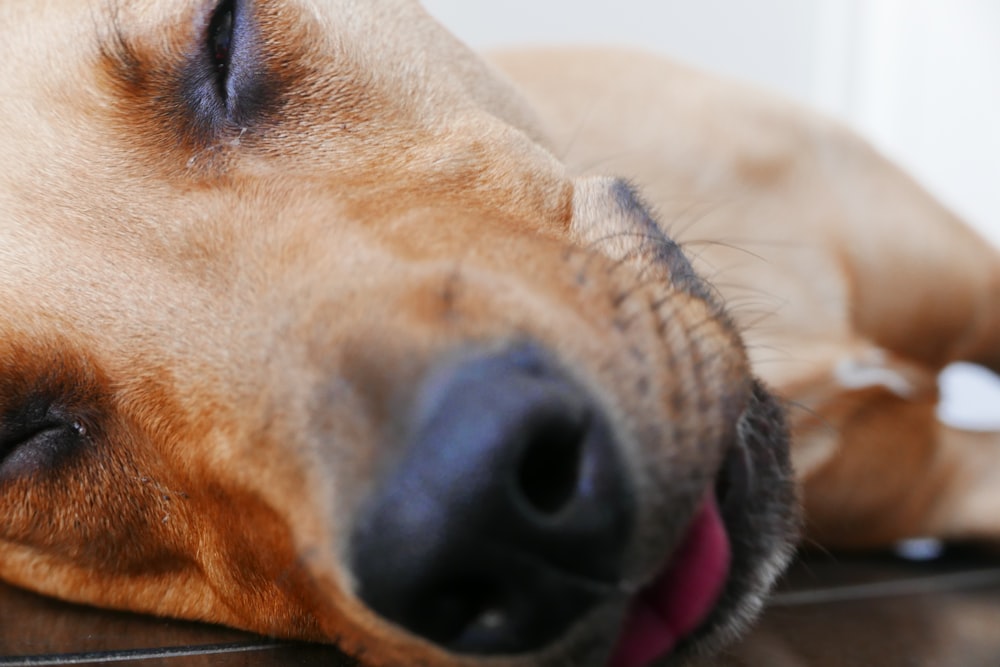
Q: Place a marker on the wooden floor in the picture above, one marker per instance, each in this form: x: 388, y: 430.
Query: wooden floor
x: 829, y: 612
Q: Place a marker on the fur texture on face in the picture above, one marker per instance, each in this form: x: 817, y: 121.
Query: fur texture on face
x: 240, y: 242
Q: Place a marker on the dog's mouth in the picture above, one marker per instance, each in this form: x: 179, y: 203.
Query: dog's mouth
x: 736, y: 544
x: 682, y: 596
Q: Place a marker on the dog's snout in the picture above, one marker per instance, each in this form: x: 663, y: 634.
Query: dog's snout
x: 507, y: 516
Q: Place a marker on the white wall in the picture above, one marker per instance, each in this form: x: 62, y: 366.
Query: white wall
x: 721, y: 34
x: 920, y: 78
x: 926, y: 87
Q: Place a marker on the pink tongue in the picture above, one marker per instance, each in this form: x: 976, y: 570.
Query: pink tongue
x: 674, y: 605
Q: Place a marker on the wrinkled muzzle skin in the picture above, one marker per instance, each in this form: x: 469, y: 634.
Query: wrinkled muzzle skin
x: 227, y: 269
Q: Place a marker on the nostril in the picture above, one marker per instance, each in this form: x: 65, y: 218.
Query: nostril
x: 454, y: 613
x: 549, y: 471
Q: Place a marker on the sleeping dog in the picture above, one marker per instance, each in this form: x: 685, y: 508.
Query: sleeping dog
x: 319, y: 325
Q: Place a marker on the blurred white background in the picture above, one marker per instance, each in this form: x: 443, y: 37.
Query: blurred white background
x: 919, y: 78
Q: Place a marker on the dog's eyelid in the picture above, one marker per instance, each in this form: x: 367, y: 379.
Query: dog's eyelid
x: 228, y: 83
x: 36, y: 438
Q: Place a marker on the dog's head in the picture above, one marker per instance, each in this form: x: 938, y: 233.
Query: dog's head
x: 306, y: 331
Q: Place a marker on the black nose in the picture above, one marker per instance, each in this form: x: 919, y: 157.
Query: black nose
x: 506, y: 519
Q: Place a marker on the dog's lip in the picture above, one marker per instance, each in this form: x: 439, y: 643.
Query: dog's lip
x: 681, y: 598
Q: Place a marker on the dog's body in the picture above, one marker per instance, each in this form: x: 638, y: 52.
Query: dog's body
x: 852, y: 287
x: 313, y: 326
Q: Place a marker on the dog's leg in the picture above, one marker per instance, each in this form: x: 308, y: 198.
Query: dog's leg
x: 876, y: 464
x: 866, y: 450
x: 943, y: 485
x: 969, y: 505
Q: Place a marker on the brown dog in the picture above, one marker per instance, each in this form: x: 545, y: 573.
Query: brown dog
x: 314, y: 326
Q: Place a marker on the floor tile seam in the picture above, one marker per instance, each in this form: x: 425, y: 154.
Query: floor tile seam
x: 132, y: 655
x: 939, y: 583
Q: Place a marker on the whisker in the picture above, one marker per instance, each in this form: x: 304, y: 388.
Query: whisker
x: 786, y: 355
x: 724, y: 244
x: 581, y: 125
x: 738, y: 243
x: 825, y: 423
x: 686, y: 219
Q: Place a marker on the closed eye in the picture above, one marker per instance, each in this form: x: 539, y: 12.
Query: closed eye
x: 228, y: 83
x: 221, y: 36
x: 36, y: 441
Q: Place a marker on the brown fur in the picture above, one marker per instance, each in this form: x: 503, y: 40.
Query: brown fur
x: 231, y: 315
x: 832, y: 259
